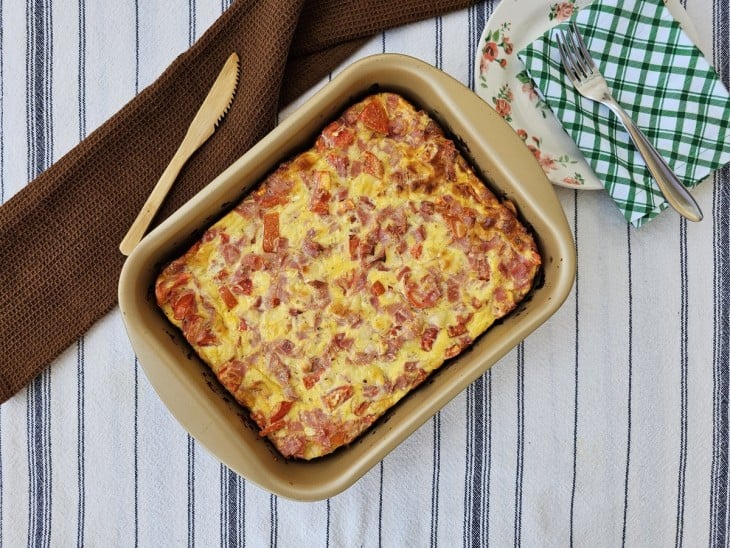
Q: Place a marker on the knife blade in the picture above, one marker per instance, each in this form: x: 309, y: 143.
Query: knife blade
x: 214, y: 107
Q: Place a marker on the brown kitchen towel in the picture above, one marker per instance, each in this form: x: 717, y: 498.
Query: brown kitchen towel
x: 59, y: 236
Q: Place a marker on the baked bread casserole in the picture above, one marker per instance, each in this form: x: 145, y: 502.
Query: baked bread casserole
x: 351, y: 273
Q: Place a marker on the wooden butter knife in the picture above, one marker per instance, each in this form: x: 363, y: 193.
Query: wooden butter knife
x: 211, y: 112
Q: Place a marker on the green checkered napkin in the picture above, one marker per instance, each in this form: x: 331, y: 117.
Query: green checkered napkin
x: 660, y: 78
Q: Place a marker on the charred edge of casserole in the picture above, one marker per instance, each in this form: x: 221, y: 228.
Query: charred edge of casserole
x: 195, y: 234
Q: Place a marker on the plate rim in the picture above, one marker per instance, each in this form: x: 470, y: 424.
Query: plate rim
x: 501, y: 14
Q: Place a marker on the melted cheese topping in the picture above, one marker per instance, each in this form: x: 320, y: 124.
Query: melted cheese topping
x: 354, y: 271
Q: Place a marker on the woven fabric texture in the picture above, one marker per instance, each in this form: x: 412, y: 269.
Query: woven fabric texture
x: 59, y: 236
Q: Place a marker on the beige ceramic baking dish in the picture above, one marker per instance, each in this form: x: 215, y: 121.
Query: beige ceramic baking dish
x: 194, y: 396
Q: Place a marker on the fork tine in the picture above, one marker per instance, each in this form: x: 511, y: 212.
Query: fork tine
x: 582, y: 67
x: 590, y: 83
x: 581, y: 45
x: 565, y: 56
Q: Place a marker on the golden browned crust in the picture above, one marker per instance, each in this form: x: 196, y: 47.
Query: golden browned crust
x: 355, y: 270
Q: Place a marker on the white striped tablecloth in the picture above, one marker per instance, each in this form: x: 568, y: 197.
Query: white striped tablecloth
x: 608, y: 426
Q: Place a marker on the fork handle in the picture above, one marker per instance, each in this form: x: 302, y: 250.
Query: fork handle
x: 674, y: 191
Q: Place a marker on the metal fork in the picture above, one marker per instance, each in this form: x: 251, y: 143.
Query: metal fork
x: 590, y: 83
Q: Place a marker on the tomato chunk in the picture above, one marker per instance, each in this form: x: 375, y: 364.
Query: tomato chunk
x: 245, y: 286
x: 184, y: 306
x: 337, y: 396
x: 378, y: 288
x: 229, y: 299
x: 271, y: 232
x: 273, y: 427
x: 337, y: 135
x: 284, y: 407
x: 320, y: 193
x: 198, y: 331
x: 361, y: 409
x: 320, y: 202
x: 375, y: 117
x: 372, y: 165
x: 231, y: 375
x: 165, y: 289
x: 452, y: 351
x: 460, y: 327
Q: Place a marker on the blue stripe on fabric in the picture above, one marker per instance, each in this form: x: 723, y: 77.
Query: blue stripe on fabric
x: 80, y: 353
x: 478, y: 418
x: 233, y: 509
x: 436, y: 470
x: 82, y: 69
x: 628, y: 396
x: 136, y: 451
x: 2, y: 200
x: 576, y: 312
x: 683, y: 396
x: 137, y: 69
x: 329, y: 524
x: 274, y: 510
x: 233, y: 487
x: 520, y: 465
x: 223, y: 521
x: 241, y: 483
x: 2, y: 509
x: 721, y: 357
x: 467, y: 468
x: 80, y: 444
x: 435, y: 479
x: 484, y: 524
x: 192, y: 8
x: 191, y: 491
x: 39, y: 79
x: 380, y: 506
x: 192, y: 16
x: 476, y: 443
x: 683, y: 389
x: 382, y: 462
x: 136, y: 47
x: 2, y: 138
x: 719, y: 490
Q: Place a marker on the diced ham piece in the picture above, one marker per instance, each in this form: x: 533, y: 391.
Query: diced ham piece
x: 429, y: 337
x: 275, y: 192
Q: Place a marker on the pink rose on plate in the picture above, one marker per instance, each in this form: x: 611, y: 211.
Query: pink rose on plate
x: 490, y: 51
x: 507, y: 45
x: 529, y: 90
x: 565, y: 11
x: 503, y: 108
x: 562, y: 11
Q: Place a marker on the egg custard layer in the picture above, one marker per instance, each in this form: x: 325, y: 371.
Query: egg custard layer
x: 355, y: 270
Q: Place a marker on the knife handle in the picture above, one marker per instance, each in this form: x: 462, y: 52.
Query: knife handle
x: 213, y: 108
x: 140, y: 225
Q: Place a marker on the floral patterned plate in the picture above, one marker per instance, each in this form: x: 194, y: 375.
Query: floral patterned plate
x: 502, y: 81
